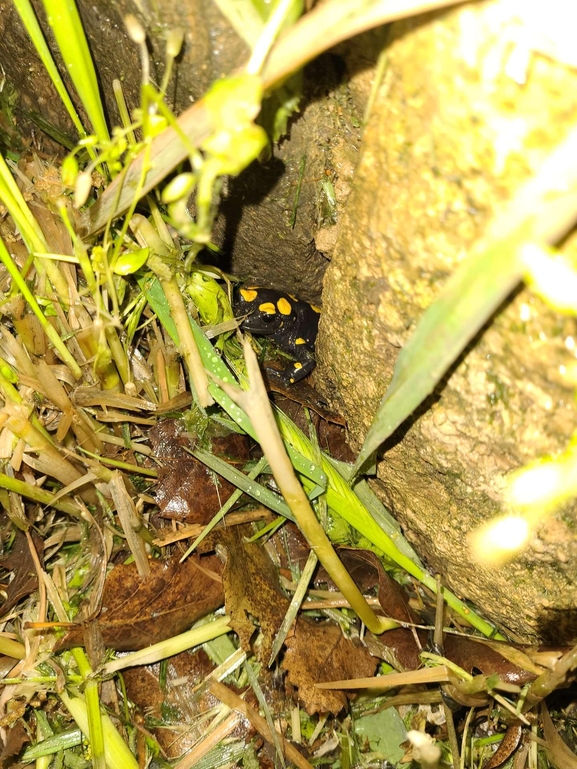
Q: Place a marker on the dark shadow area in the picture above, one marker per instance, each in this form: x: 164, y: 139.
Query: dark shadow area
x: 250, y: 188
x: 558, y: 627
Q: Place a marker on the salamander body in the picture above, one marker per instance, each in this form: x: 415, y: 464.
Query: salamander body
x: 287, y: 321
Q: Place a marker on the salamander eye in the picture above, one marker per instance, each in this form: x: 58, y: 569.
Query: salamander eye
x: 267, y: 317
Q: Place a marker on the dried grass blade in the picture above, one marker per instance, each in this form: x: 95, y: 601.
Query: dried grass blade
x: 130, y: 522
x: 233, y: 701
x: 559, y: 752
x: 439, y: 674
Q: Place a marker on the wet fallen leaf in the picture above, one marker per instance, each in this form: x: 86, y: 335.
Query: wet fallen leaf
x: 314, y: 653
x: 187, y: 490
x: 19, y: 560
x: 467, y: 653
x: 136, y: 613
x: 366, y: 569
x: 253, y: 598
x: 320, y: 652
x: 474, y: 655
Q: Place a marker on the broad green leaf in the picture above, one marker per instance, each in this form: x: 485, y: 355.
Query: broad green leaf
x: 385, y: 732
x: 471, y: 296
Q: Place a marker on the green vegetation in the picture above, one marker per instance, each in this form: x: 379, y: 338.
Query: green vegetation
x: 89, y: 308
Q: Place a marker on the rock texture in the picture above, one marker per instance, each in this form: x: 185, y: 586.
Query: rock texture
x: 468, y: 108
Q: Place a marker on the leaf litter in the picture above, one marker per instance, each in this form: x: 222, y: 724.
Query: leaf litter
x: 100, y: 480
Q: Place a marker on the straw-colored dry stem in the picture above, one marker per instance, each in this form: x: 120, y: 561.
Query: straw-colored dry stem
x: 257, y: 405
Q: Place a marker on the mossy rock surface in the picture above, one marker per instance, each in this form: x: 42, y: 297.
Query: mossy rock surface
x: 450, y: 139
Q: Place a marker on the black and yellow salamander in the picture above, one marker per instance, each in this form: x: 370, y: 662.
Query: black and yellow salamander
x: 287, y: 321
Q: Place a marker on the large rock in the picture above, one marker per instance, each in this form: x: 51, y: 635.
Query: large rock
x: 467, y: 110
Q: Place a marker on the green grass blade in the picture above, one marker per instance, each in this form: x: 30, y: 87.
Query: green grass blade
x: 117, y: 753
x: 65, y: 23
x: 343, y: 501
x: 30, y: 21
x: 471, y: 296
x: 244, y: 18
x: 378, y: 511
x: 47, y: 327
x: 54, y: 744
x: 244, y: 483
x: 317, y: 31
x: 30, y: 230
x: 228, y: 505
x: 19, y: 210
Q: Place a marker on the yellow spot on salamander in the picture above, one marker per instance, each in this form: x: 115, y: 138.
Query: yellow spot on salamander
x: 248, y: 294
x: 316, y: 309
x: 298, y: 365
x: 267, y: 307
x: 284, y: 307
x: 300, y: 340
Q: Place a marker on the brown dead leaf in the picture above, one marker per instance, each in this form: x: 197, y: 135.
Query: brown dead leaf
x: 474, y: 655
x: 467, y: 653
x: 366, y: 569
x: 253, y: 598
x: 19, y: 560
x: 187, y: 490
x: 318, y: 653
x: 136, y: 613
x: 16, y: 737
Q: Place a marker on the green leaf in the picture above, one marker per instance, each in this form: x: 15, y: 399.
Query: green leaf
x: 385, y: 733
x: 470, y: 297
x: 131, y: 261
x: 65, y: 23
x: 30, y: 21
x: 51, y: 745
x: 241, y: 481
